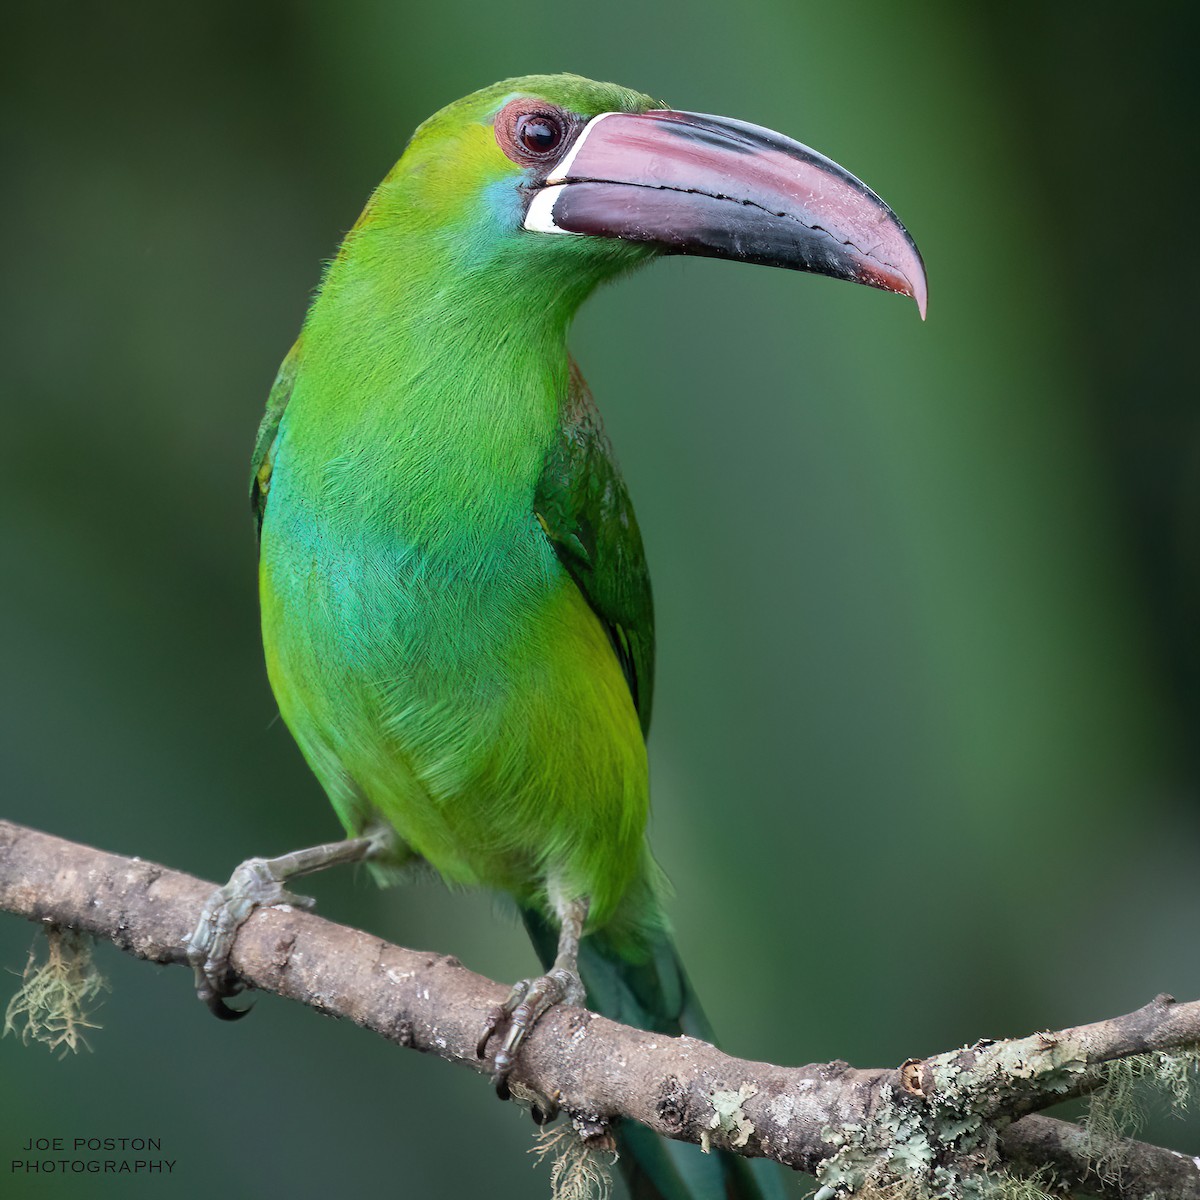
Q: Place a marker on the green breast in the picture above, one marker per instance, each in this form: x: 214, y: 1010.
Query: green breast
x: 436, y: 664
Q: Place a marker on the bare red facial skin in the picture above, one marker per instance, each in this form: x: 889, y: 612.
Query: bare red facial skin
x: 535, y: 133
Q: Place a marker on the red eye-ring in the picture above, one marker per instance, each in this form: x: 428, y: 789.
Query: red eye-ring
x: 532, y: 133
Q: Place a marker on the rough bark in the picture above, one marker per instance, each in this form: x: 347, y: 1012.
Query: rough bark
x: 950, y: 1122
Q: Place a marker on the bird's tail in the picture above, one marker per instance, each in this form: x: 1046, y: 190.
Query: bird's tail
x: 655, y: 995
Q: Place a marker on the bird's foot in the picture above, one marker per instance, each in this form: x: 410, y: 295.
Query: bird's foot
x: 258, y: 883
x: 527, y: 1003
x: 252, y: 885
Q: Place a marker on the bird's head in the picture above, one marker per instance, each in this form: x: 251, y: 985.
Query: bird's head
x: 559, y: 176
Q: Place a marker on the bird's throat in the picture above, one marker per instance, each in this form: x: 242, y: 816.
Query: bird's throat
x: 425, y: 403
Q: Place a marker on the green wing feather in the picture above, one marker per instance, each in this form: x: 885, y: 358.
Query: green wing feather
x: 268, y: 430
x: 584, y: 507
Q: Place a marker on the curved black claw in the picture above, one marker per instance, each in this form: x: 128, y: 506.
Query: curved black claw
x: 254, y: 884
x: 527, y: 1003
x: 222, y: 1011
x: 495, y: 1019
x: 543, y: 1112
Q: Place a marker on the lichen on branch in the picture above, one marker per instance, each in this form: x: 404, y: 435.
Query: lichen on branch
x: 57, y: 996
x: 961, y: 1124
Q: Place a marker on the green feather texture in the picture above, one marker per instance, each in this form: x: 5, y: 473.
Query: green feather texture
x: 455, y: 603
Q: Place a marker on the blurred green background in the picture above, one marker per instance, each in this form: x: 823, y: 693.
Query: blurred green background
x: 924, y: 766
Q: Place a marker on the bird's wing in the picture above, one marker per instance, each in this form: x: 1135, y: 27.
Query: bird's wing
x: 268, y: 430
x: 583, y: 506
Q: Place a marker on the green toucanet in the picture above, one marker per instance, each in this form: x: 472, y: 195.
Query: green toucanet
x: 455, y: 603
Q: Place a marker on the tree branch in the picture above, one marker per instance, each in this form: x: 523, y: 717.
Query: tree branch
x: 945, y: 1120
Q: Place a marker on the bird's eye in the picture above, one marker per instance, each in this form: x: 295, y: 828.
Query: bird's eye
x: 539, y: 133
x: 533, y: 133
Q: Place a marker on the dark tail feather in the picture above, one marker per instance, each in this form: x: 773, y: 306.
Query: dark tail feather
x: 656, y: 995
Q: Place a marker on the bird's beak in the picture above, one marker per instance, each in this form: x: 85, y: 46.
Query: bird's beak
x: 688, y: 183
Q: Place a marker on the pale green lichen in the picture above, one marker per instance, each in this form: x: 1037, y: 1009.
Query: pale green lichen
x: 942, y: 1185
x: 944, y: 1146
x: 580, y: 1171
x: 941, y: 1150
x: 906, y: 1190
x: 1118, y: 1109
x: 729, y: 1117
x: 862, y: 1167
x: 55, y: 1001
x: 1016, y: 1187
x: 1178, y: 1076
x: 994, y: 1187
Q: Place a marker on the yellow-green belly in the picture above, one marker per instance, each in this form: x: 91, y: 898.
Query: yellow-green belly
x: 476, y: 705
